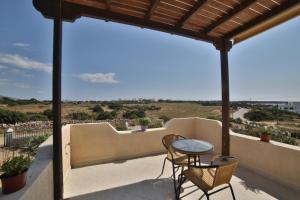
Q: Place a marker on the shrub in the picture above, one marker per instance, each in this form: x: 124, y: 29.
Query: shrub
x: 114, y: 105
x: 12, y: 117
x: 48, y: 113
x: 114, y: 113
x: 121, y: 126
x: 261, y: 114
x: 36, y: 117
x: 257, y: 115
x: 266, y: 131
x: 79, y: 116
x: 15, y: 165
x: 237, y: 121
x: 144, y: 121
x: 34, y: 143
x: 104, y: 115
x: 133, y: 114
x: 97, y: 108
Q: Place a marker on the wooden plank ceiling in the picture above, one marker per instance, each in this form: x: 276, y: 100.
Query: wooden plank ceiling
x: 207, y: 20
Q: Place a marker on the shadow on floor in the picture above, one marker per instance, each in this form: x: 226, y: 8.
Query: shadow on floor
x: 153, y: 189
x: 258, y: 184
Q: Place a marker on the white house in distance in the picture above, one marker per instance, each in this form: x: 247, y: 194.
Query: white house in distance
x: 290, y: 106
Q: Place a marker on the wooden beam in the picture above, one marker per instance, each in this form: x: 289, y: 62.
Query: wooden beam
x: 190, y: 13
x: 224, y: 48
x: 245, y: 4
x: 72, y: 11
x: 56, y: 101
x: 274, y: 21
x: 153, y: 5
x: 281, y: 8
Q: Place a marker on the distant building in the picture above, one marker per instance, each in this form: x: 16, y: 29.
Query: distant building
x: 290, y: 106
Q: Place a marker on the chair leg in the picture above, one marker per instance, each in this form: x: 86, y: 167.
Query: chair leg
x: 181, y: 180
x: 182, y: 168
x: 163, y: 168
x: 174, y: 180
x: 232, y: 193
x: 207, y: 196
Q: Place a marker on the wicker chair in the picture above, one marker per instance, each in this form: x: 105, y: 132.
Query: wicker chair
x: 219, y: 172
x: 177, y: 159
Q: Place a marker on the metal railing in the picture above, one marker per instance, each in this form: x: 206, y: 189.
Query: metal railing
x: 17, y: 138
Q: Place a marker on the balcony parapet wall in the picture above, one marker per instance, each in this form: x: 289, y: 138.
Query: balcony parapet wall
x: 88, y: 144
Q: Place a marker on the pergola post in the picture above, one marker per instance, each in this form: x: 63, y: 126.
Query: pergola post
x: 224, y: 47
x: 56, y: 92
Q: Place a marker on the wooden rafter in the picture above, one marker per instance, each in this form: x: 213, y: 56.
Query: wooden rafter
x: 281, y: 8
x: 190, y: 13
x: 107, y: 2
x: 173, y: 15
x: 245, y: 4
x: 73, y: 11
x: 153, y: 5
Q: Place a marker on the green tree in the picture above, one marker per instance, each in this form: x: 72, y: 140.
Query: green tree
x: 97, y: 108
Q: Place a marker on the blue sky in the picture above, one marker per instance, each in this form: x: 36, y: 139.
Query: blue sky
x: 105, y: 60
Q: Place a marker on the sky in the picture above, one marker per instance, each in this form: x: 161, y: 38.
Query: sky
x: 105, y: 60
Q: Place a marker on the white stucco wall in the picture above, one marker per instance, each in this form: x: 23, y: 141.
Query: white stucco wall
x: 98, y: 143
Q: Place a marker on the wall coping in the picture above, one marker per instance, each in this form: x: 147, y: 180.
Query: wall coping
x: 272, y: 142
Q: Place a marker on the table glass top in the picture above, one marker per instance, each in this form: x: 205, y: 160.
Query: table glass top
x: 192, y: 146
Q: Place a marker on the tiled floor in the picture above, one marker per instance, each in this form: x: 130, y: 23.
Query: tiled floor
x: 136, y: 179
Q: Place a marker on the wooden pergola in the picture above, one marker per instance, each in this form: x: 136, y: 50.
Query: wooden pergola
x: 222, y: 23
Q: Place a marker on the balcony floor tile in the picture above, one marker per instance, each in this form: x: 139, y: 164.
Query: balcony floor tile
x: 136, y: 179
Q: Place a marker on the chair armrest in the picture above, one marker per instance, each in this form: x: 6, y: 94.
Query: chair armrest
x: 225, y: 158
x: 204, y: 166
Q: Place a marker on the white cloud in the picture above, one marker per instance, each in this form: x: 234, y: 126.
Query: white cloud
x: 24, y: 62
x: 2, y: 67
x: 20, y: 44
x: 99, y: 78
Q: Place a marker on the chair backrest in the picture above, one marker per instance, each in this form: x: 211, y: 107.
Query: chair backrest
x: 167, y: 140
x: 225, y: 171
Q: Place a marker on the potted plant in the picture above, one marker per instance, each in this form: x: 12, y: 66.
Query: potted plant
x: 14, y: 173
x: 265, y: 135
x: 144, y: 122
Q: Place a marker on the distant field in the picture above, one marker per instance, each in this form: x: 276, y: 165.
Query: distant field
x: 171, y: 110
x: 27, y: 108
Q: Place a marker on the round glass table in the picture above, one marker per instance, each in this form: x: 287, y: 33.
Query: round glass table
x: 192, y: 148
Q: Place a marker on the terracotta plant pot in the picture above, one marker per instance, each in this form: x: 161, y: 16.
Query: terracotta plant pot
x: 265, y: 138
x: 14, y: 183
